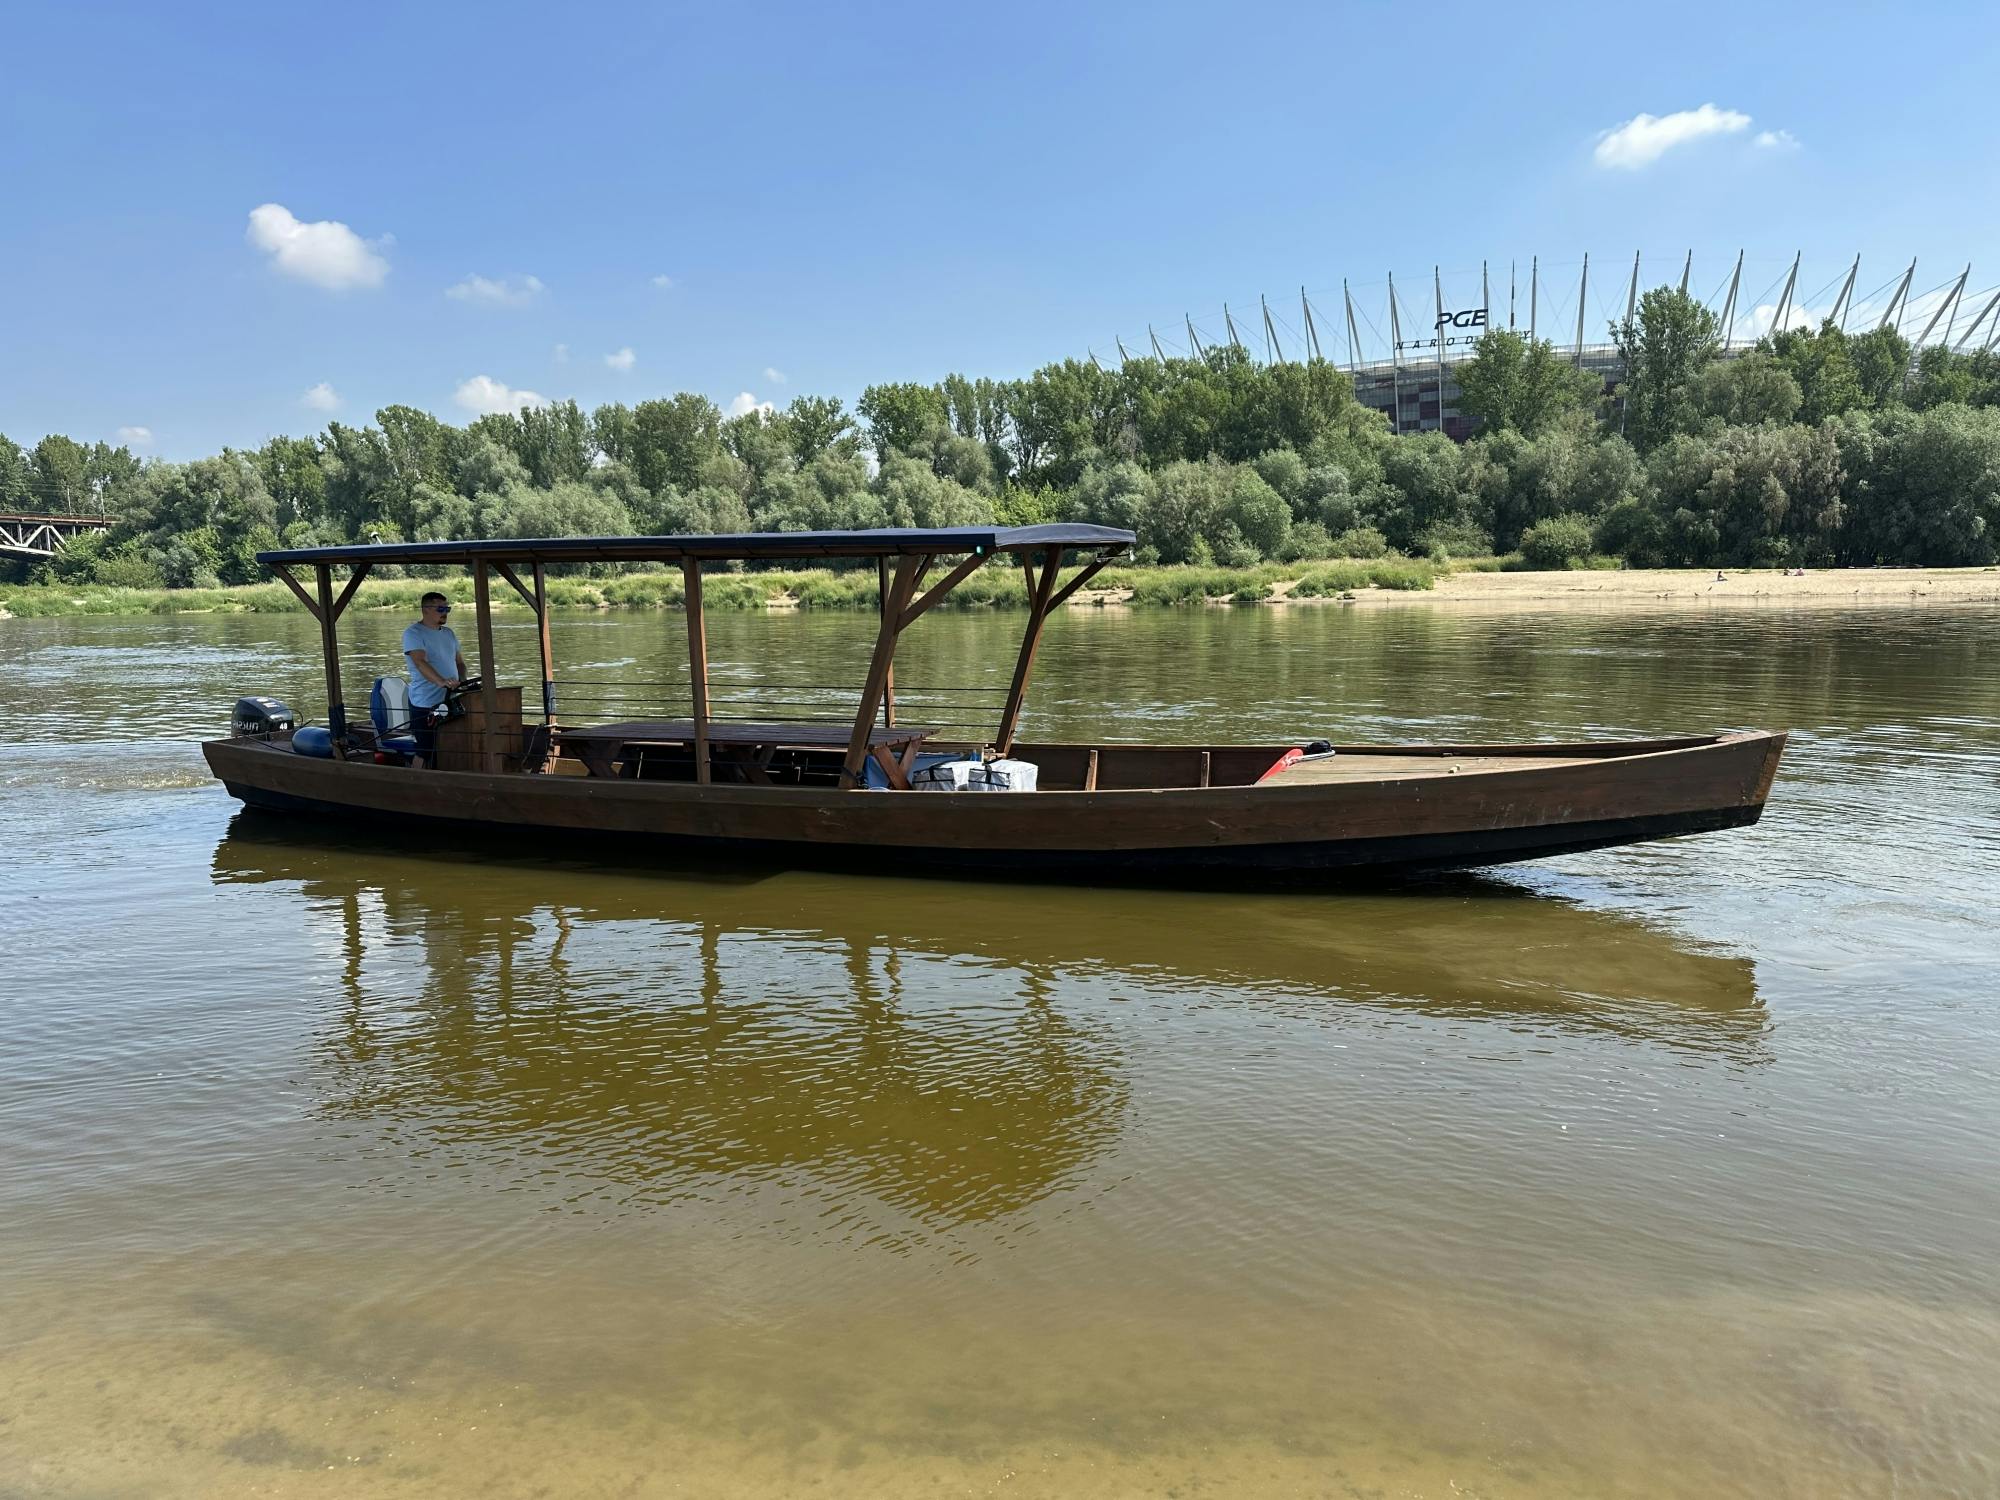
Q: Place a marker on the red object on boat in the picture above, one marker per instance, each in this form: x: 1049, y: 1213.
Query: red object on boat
x: 1284, y: 763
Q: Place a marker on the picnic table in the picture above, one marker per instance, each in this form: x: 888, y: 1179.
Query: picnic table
x: 745, y: 748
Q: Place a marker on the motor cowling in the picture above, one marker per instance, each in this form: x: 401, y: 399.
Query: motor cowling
x: 259, y: 718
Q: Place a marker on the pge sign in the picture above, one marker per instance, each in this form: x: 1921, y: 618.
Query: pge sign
x: 1471, y: 317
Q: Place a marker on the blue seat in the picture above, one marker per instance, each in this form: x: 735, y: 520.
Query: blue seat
x: 389, y: 712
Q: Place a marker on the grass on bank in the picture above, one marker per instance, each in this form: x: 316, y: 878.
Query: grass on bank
x: 993, y: 587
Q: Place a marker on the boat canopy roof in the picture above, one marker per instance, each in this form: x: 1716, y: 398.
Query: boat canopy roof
x: 978, y: 541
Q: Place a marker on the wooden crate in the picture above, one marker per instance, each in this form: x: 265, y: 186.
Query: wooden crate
x: 461, y: 742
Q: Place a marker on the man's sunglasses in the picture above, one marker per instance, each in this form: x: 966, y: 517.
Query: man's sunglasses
x: 443, y: 609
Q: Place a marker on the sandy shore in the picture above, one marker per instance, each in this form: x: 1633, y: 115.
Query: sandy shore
x: 1830, y: 588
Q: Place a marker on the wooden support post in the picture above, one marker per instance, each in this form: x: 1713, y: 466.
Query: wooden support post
x: 489, y: 691
x: 1039, y: 596
x: 697, y: 625
x: 548, y: 669
x: 329, y: 650
x: 284, y: 575
x: 353, y: 582
x: 1090, y: 772
x: 882, y: 602
x: 942, y: 587
x: 908, y: 570
x: 1204, y: 768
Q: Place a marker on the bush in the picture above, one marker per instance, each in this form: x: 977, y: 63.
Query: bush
x: 1559, y: 542
x: 1448, y: 539
x: 1361, y: 541
x: 1340, y: 577
x: 1308, y: 542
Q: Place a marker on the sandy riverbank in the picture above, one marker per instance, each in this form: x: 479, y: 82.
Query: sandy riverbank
x: 1827, y: 588
x: 1830, y: 588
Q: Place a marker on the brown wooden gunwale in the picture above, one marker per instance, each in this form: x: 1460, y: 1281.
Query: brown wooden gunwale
x: 1724, y: 772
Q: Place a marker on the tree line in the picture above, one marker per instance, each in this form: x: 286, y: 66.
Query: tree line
x: 1816, y: 448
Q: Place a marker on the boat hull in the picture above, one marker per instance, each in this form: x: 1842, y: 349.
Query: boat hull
x: 1542, y: 801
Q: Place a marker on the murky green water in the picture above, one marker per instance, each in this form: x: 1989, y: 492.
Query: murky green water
x: 340, y: 1166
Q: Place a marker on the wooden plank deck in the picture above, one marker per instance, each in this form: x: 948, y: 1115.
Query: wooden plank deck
x: 1335, y: 769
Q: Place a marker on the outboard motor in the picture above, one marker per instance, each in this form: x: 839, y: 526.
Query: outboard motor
x: 260, y: 718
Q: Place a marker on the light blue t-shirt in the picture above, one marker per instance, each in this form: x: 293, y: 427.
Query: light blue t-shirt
x: 440, y: 649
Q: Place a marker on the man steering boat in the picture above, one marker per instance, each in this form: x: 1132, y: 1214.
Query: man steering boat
x: 437, y: 665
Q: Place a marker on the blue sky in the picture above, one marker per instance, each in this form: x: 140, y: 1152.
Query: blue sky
x: 780, y: 199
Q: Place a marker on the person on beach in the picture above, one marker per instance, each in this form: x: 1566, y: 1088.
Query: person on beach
x: 436, y: 666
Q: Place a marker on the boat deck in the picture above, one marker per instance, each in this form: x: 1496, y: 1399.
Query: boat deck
x: 1338, y: 769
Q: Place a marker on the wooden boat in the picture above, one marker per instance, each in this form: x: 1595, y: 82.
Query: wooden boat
x: 769, y: 790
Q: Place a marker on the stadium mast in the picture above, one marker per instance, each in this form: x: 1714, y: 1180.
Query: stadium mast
x: 1632, y: 291
x: 1686, y: 267
x: 1895, y: 308
x: 1312, y: 332
x: 1984, y: 312
x: 1838, y: 317
x: 1193, y: 342
x: 1729, y: 307
x: 1950, y: 299
x: 1271, y: 344
x: 1785, y: 297
x: 1582, y: 292
x: 1437, y: 291
x: 1395, y: 359
x: 1534, y: 293
x: 1353, y: 338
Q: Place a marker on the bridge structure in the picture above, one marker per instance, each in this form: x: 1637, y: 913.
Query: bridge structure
x: 24, y: 535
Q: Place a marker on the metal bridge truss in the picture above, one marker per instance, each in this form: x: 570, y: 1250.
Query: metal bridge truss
x: 44, y: 536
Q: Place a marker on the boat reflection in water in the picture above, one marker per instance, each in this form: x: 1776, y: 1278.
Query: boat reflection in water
x: 953, y: 1051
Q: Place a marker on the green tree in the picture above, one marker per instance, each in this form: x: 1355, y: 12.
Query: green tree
x: 1881, y: 359
x: 1664, y: 351
x: 62, y: 475
x: 555, y: 443
x: 672, y: 441
x: 291, y: 472
x: 902, y: 416
x: 1924, y: 486
x: 1748, y: 391
x: 1822, y: 364
x: 1256, y: 513
x: 17, y: 474
x: 1513, y: 383
x: 1556, y: 542
x: 818, y: 426
x: 1062, y: 415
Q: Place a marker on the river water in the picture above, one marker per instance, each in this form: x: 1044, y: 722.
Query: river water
x: 334, y: 1163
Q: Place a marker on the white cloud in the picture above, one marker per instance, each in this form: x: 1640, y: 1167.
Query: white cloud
x: 776, y: 377
x: 1777, y: 140
x: 326, y: 253
x: 624, y: 359
x: 506, y: 291
x: 562, y: 354
x: 484, y: 394
x: 1754, y: 324
x: 135, y: 437
x: 663, y: 282
x: 743, y: 403
x: 321, y: 397
x: 1644, y: 139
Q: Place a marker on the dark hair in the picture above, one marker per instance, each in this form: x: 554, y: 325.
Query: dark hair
x: 433, y: 598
